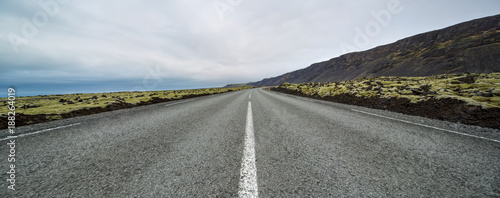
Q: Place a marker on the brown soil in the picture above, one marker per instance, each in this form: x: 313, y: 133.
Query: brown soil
x: 22, y: 119
x: 452, y: 110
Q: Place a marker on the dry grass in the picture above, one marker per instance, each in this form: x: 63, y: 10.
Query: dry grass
x: 474, y: 89
x: 59, y: 104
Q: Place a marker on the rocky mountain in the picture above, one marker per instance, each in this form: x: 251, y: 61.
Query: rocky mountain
x: 238, y: 85
x: 472, y: 46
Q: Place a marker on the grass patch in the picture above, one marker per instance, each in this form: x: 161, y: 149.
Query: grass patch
x: 55, y: 105
x: 474, y: 89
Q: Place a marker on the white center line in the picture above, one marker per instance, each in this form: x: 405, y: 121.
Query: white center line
x: 248, y: 172
x: 36, y: 132
x: 446, y: 130
x: 250, y: 96
x: 178, y: 102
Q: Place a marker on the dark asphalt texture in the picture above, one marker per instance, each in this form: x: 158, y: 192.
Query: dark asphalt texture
x: 303, y: 148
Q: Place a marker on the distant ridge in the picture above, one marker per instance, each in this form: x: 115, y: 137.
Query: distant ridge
x: 472, y: 46
x: 237, y: 85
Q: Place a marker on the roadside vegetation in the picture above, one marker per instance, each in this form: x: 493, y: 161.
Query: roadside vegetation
x: 474, y: 89
x: 35, y: 109
x: 473, y: 92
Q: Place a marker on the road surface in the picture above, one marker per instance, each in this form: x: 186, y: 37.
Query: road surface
x: 252, y: 143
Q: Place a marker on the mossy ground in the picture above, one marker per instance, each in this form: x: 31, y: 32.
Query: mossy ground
x: 474, y: 89
x: 466, y: 98
x: 54, y: 107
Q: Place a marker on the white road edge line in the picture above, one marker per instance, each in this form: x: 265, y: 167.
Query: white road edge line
x: 179, y: 102
x: 36, y: 132
x: 248, y: 172
x: 446, y: 130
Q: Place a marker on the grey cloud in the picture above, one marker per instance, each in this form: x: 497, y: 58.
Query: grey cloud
x: 117, y: 40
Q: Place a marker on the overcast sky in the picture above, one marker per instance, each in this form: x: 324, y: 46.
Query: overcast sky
x: 50, y: 46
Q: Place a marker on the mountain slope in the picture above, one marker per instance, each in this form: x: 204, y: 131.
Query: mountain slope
x: 472, y: 46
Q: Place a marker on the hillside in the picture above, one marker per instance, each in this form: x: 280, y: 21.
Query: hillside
x: 472, y: 46
x: 237, y: 85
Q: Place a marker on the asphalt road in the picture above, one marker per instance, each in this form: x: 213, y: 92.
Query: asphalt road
x: 301, y: 148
